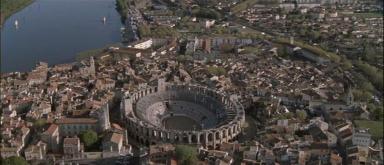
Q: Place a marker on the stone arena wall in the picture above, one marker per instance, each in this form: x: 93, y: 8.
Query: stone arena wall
x: 147, y: 133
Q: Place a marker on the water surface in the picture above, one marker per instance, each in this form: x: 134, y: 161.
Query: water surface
x: 55, y: 30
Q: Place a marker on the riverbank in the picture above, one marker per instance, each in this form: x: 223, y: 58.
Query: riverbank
x: 94, y: 52
x: 9, y: 7
x: 122, y: 8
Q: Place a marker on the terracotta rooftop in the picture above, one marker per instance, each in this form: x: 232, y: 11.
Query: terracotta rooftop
x: 51, y: 129
x: 71, y: 141
x: 116, y: 137
x: 161, y: 148
x: 24, y: 130
x: 117, y: 126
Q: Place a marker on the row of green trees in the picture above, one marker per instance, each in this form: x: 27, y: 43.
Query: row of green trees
x: 13, y: 160
x: 316, y: 50
x: 373, y: 74
x: 186, y: 155
x: 206, y: 13
x: 122, y: 8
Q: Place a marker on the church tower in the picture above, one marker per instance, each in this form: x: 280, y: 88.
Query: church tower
x: 103, y: 115
x: 126, y: 107
x: 161, y: 84
x: 349, y: 97
x: 92, y: 68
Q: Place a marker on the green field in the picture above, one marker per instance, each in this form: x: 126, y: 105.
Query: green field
x: 368, y: 15
x: 375, y: 127
x: 8, y: 7
x: 88, y: 53
x: 243, y: 5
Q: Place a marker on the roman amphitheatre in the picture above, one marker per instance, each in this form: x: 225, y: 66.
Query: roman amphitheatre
x: 183, y: 114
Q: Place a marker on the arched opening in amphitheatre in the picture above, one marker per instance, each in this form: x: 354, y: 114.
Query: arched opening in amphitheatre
x: 210, y: 137
x: 202, y: 138
x: 185, y: 138
x: 194, y: 138
x: 176, y: 138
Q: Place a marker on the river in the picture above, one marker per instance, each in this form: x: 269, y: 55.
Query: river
x: 54, y: 31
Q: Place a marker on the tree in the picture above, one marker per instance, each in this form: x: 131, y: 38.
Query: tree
x: 186, y: 155
x: 14, y: 160
x: 374, y: 74
x: 302, y: 115
x: 39, y: 123
x: 378, y: 113
x: 282, y: 51
x: 361, y: 95
x: 207, y: 13
x: 24, y: 108
x: 369, y: 53
x: 287, y: 115
x: 89, y: 138
x: 345, y: 63
x: 184, y: 58
x: 217, y: 71
x: 226, y: 48
x: 144, y: 31
x: 315, y: 35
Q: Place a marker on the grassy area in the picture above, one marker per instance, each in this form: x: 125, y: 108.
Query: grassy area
x: 8, y: 7
x: 316, y: 50
x: 94, y: 52
x: 368, y: 15
x: 249, y: 3
x: 375, y: 127
x: 88, y: 53
x: 375, y: 75
x: 217, y: 71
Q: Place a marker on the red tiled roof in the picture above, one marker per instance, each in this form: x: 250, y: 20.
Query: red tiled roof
x: 117, y: 126
x: 116, y: 138
x: 52, y: 128
x: 71, y: 141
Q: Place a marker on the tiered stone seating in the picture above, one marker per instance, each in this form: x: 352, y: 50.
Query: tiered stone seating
x: 202, y: 108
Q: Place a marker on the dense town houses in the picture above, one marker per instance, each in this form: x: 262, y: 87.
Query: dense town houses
x: 71, y: 108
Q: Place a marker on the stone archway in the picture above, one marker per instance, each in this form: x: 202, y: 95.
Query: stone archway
x: 210, y: 137
x: 234, y: 129
x: 194, y: 138
x: 185, y: 138
x: 217, y: 135
x: 217, y: 146
x: 202, y: 138
x: 177, y: 138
